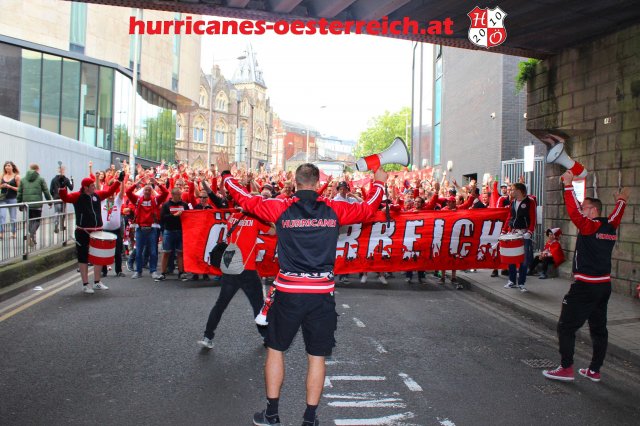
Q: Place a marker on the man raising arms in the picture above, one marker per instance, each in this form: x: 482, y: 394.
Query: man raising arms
x: 307, y: 226
x: 589, y: 295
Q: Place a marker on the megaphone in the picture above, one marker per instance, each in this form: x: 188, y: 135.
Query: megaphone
x: 558, y: 155
x: 397, y: 153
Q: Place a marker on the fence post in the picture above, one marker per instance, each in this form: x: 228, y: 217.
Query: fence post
x: 25, y: 230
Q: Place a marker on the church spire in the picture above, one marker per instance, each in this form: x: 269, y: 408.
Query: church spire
x: 248, y: 70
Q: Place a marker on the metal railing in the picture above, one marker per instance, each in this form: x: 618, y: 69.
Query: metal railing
x: 32, y: 230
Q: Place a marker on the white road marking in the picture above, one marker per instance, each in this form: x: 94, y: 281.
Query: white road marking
x: 387, y: 420
x: 371, y: 403
x: 411, y: 384
x: 446, y: 422
x: 328, y: 379
x: 358, y: 322
x: 379, y: 346
x: 344, y: 305
x: 359, y: 395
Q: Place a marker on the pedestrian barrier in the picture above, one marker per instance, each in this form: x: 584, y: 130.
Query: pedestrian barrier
x: 26, y: 228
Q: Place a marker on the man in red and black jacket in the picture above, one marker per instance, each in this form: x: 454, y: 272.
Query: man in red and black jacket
x: 521, y: 220
x: 589, y: 294
x: 88, y: 209
x: 307, y: 226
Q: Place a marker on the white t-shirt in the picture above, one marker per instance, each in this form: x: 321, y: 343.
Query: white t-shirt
x: 111, y: 214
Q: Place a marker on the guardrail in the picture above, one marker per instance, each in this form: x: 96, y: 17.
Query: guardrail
x: 24, y: 230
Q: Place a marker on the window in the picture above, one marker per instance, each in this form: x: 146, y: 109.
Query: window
x: 244, y: 108
x: 179, y: 134
x: 221, y: 131
x: 203, y: 97
x: 105, y: 108
x: 132, y: 41
x: 11, y: 58
x: 222, y: 102
x: 30, y: 87
x: 240, y: 144
x: 175, y: 71
x: 51, y: 82
x: 70, y: 111
x: 78, y: 31
x: 198, y: 129
x: 89, y: 103
x: 437, y: 112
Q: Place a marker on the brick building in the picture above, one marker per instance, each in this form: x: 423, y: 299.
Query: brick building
x: 589, y: 95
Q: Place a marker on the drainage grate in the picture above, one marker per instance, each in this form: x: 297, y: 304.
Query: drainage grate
x: 549, y: 389
x: 540, y: 363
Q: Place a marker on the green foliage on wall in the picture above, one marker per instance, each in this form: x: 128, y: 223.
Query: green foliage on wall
x: 526, y: 71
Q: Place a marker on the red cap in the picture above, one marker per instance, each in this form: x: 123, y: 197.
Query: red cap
x: 87, y: 182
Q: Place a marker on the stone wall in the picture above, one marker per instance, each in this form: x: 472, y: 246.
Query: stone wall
x: 591, y: 93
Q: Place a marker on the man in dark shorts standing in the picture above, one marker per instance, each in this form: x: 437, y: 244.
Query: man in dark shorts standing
x: 88, y: 209
x: 589, y: 295
x: 307, y: 226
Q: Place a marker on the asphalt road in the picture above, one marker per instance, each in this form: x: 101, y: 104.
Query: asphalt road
x: 406, y: 355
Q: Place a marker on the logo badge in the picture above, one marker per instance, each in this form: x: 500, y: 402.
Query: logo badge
x: 487, y: 27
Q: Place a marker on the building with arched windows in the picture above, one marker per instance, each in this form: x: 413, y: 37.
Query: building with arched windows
x: 233, y: 116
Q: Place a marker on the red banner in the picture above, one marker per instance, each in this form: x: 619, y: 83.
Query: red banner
x: 425, y: 241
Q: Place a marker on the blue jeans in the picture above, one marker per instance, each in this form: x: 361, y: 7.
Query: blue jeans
x: 148, y: 238
x: 524, y: 266
x: 13, y: 211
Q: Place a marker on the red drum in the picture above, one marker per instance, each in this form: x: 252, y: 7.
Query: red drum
x: 102, y: 248
x: 511, y: 249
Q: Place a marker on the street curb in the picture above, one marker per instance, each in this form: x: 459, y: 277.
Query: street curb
x: 24, y: 285
x: 547, y: 319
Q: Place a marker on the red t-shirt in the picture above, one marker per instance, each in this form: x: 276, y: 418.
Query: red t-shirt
x: 245, y: 236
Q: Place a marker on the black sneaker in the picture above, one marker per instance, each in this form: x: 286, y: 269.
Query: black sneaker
x: 316, y: 422
x: 260, y: 419
x: 494, y: 273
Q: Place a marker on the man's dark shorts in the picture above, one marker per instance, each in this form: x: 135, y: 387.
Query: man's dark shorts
x: 316, y: 313
x: 82, y: 245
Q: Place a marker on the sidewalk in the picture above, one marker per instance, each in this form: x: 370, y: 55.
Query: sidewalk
x: 543, y: 301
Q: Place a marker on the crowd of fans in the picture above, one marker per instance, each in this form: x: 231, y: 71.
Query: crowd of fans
x: 151, y: 200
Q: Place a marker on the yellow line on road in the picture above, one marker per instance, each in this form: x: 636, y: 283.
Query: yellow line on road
x: 33, y: 302
x: 38, y: 294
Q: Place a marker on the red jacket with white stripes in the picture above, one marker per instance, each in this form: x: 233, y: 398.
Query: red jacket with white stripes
x: 596, y: 238
x: 307, y: 226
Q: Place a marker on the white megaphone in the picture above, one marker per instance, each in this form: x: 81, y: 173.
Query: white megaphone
x: 558, y: 155
x: 397, y: 153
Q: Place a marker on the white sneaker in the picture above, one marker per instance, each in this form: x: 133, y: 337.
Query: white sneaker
x: 155, y: 275
x: 382, y: 279
x: 523, y: 288
x: 363, y: 280
x: 87, y: 289
x: 135, y: 276
x: 100, y: 286
x: 206, y: 343
x: 510, y: 284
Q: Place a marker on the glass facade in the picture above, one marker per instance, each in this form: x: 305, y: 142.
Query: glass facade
x: 437, y: 106
x: 85, y: 101
x: 78, y: 30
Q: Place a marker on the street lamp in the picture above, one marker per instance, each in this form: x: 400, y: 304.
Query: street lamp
x: 239, y: 58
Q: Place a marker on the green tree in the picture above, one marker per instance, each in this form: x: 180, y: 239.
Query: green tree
x: 382, y: 131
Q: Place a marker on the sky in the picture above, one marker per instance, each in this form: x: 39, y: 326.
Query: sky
x: 355, y: 77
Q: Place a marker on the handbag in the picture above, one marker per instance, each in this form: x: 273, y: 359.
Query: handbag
x: 216, y: 253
